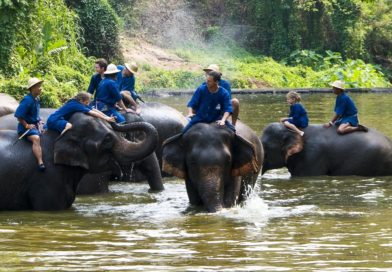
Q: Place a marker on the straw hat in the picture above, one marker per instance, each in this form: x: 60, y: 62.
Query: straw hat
x: 212, y: 67
x: 131, y: 67
x: 112, y: 69
x: 338, y: 84
x: 33, y: 81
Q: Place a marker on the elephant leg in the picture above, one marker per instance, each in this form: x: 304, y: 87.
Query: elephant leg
x: 247, y: 183
x: 150, y: 168
x: 232, y: 191
x: 94, y: 184
x: 50, y: 198
x: 193, y: 195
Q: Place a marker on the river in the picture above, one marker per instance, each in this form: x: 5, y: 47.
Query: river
x: 288, y: 224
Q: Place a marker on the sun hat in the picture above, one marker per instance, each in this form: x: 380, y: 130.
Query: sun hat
x: 338, y: 84
x: 33, y: 81
x: 131, y: 67
x: 212, y: 67
x: 111, y: 69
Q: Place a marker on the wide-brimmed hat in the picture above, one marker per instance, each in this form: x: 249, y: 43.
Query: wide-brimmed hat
x: 131, y: 67
x: 33, y: 81
x: 338, y: 84
x: 111, y: 69
x: 212, y: 67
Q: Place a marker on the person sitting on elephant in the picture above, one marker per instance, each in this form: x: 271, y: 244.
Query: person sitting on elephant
x: 126, y: 84
x: 346, y: 113
x: 58, y: 121
x: 210, y: 103
x: 100, y: 68
x: 29, y: 124
x: 108, y: 95
x: 298, y: 117
x: 226, y: 85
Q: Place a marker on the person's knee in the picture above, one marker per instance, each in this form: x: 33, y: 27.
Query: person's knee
x: 34, y: 139
x: 68, y: 126
x: 341, y: 130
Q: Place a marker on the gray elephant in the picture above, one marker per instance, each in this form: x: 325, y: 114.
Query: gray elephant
x: 91, y: 145
x: 217, y: 164
x: 8, y: 104
x: 324, y: 152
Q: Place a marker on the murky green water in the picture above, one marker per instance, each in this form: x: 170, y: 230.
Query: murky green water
x: 301, y: 224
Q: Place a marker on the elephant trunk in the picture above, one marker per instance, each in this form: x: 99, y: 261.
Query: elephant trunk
x: 126, y: 151
x: 211, y: 189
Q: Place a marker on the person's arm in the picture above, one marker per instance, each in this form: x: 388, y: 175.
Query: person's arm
x: 330, y: 123
x: 339, y: 110
x: 193, y: 103
x: 100, y: 115
x: 21, y: 113
x: 25, y: 124
x: 224, y: 118
x: 227, y: 107
x: 91, y: 86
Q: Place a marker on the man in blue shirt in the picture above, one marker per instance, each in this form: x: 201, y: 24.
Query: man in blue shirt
x: 226, y: 85
x: 100, y: 68
x: 108, y: 96
x: 27, y: 114
x: 210, y: 103
x: 126, y: 84
x: 346, y: 114
x: 58, y: 121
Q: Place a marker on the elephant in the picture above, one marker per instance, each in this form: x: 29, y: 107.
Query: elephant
x: 217, y: 164
x: 8, y: 104
x: 322, y: 151
x: 92, y: 145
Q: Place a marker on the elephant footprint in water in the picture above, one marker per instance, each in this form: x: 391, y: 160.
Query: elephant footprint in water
x: 217, y: 164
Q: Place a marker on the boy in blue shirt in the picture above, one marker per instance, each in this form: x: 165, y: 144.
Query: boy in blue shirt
x: 210, y: 103
x: 100, y: 68
x: 298, y: 117
x: 29, y: 120
x: 57, y: 121
x: 126, y: 84
x: 108, y: 95
x: 346, y: 113
x: 226, y: 85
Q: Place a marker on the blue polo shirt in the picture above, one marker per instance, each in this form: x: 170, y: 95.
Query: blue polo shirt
x: 94, y: 83
x: 209, y: 106
x: 126, y: 83
x: 344, y: 106
x: 69, y: 108
x: 108, y: 93
x: 298, y: 116
x: 224, y: 84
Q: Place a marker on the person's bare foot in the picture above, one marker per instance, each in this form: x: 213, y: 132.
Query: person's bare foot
x: 302, y: 133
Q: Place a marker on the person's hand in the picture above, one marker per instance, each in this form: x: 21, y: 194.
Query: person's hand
x: 129, y: 110
x: 282, y: 120
x: 221, y: 122
x: 110, y: 119
x: 138, y: 110
x: 190, y: 115
x: 30, y: 126
x: 327, y: 125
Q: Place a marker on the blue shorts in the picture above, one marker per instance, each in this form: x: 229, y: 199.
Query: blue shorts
x: 112, y: 112
x: 22, y: 130
x: 56, y: 125
x: 352, y: 120
x: 296, y: 123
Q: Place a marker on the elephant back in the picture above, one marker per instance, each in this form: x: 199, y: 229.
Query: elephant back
x: 8, y: 104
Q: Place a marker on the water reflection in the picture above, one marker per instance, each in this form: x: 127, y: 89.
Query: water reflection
x: 288, y: 224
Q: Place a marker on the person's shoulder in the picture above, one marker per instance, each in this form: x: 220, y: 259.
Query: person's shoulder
x: 28, y: 98
x: 223, y: 91
x: 120, y: 67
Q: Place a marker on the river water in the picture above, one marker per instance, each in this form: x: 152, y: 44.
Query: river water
x: 288, y: 224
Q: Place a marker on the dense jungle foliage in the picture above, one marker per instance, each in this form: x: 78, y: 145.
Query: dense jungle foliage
x: 258, y: 43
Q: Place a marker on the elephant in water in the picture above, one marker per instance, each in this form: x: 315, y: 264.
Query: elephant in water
x: 8, y: 104
x: 324, y: 152
x: 217, y: 164
x: 91, y: 145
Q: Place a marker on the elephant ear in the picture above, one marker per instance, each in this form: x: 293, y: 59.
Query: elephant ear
x: 67, y: 151
x: 293, y: 143
x: 244, y: 157
x: 173, y: 159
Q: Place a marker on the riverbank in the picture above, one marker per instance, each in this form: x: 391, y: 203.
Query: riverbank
x: 168, y: 92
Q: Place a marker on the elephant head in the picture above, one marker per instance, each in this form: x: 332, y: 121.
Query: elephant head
x: 209, y: 158
x: 279, y: 145
x: 92, y: 144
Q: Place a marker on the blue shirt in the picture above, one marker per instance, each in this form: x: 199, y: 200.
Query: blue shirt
x: 209, y: 106
x: 126, y: 83
x: 66, y: 111
x: 94, y: 83
x: 299, y: 115
x: 28, y: 109
x: 108, y: 93
x: 224, y: 84
x: 345, y: 106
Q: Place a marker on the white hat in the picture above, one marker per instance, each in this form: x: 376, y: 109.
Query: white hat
x: 212, y: 67
x: 131, y: 67
x: 33, y: 81
x: 111, y: 69
x: 338, y: 84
